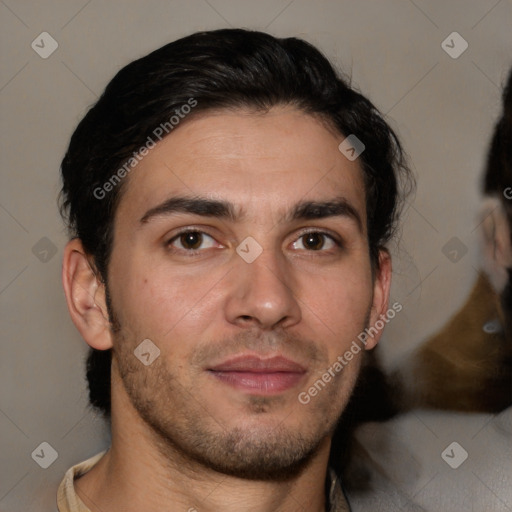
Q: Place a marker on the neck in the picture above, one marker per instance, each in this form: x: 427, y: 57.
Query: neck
x: 142, y: 472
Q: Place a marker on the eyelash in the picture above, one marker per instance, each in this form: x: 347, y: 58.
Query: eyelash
x: 193, y: 252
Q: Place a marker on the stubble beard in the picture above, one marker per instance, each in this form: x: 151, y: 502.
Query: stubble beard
x: 189, y: 436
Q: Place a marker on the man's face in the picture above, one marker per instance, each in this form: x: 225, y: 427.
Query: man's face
x: 241, y: 333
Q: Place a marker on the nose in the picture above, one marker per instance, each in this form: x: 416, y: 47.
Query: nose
x: 261, y: 293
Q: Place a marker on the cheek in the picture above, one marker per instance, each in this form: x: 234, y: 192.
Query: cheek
x: 340, y: 302
x: 158, y: 301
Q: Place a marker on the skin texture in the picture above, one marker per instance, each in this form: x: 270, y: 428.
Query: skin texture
x: 182, y: 438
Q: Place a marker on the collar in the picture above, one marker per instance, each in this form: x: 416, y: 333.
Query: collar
x: 67, y: 498
x: 336, y: 500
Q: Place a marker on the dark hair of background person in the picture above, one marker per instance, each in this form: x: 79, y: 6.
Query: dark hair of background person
x: 497, y: 181
x: 498, y: 172
x: 222, y: 69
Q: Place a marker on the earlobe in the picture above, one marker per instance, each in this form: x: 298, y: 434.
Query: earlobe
x: 85, y: 297
x: 381, y: 289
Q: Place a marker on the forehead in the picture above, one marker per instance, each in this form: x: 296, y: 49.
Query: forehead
x: 257, y: 161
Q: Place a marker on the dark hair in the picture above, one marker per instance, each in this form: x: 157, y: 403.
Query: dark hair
x: 229, y: 68
x: 497, y: 181
x: 498, y: 171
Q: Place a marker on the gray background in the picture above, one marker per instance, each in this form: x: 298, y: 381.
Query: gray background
x: 443, y: 108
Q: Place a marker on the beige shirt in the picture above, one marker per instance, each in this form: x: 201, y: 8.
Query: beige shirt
x: 68, y: 500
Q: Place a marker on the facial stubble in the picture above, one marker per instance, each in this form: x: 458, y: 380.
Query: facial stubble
x: 190, y: 434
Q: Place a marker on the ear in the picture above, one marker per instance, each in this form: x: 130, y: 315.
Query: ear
x: 497, y: 248
x: 381, y: 288
x: 85, y: 296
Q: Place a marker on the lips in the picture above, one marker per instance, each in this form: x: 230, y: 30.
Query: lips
x: 259, y: 375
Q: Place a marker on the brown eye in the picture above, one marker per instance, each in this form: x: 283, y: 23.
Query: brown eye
x: 316, y: 241
x: 191, y: 240
x: 313, y: 241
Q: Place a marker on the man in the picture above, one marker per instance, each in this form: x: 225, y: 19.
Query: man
x: 497, y: 185
x: 229, y: 199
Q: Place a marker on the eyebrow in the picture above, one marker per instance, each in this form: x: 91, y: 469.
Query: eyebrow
x: 192, y: 205
x: 304, y: 210
x: 338, y: 207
